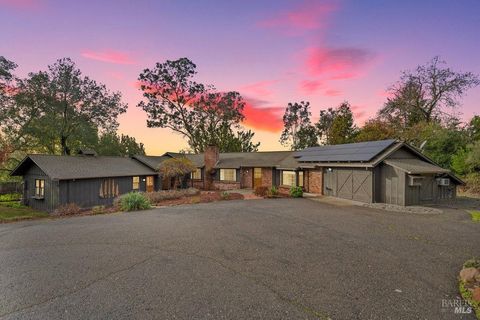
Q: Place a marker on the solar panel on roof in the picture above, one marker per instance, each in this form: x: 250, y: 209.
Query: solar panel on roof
x: 355, y: 152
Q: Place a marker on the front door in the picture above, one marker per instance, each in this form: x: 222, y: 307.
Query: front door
x: 150, y: 183
x: 257, y: 177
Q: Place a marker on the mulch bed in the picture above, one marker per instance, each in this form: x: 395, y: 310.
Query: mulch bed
x: 203, y: 197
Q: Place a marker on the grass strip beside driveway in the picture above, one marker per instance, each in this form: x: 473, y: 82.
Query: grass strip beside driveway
x: 13, y: 211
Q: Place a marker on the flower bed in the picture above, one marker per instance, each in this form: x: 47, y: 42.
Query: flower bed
x: 469, y: 284
x: 202, y: 197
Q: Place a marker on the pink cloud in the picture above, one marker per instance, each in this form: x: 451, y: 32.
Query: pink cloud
x: 261, y: 88
x: 310, y: 86
x: 310, y: 15
x: 21, y: 4
x: 109, y: 56
x: 332, y: 92
x: 263, y: 118
x: 337, y: 63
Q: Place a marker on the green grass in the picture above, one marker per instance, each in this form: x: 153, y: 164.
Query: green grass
x: 475, y: 215
x: 11, y: 211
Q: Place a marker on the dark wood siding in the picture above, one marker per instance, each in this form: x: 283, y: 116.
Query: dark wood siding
x: 86, y: 192
x: 51, y: 191
x: 349, y: 183
x: 392, y: 185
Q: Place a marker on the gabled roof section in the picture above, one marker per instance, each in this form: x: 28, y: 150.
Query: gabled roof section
x: 415, y: 166
x: 151, y: 161
x: 82, y: 167
x: 350, y: 152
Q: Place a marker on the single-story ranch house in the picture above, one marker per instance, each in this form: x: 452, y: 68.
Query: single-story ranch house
x: 387, y: 171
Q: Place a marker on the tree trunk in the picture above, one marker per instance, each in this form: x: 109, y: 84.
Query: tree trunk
x: 65, y: 148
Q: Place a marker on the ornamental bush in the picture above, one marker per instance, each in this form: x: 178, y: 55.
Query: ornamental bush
x: 134, y: 201
x: 296, y: 192
x: 261, y: 191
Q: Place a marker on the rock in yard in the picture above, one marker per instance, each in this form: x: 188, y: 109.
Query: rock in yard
x: 469, y: 274
x: 476, y: 294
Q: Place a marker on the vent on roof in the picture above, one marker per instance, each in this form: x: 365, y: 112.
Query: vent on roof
x: 87, y: 152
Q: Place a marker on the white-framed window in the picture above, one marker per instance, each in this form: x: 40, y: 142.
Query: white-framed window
x: 39, y: 188
x: 228, y: 175
x: 289, y: 178
x: 135, y: 183
x: 197, y: 174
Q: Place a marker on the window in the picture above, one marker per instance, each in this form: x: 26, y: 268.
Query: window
x: 135, y: 183
x: 196, y: 175
x: 39, y: 188
x: 289, y: 178
x: 300, y: 178
x: 108, y: 189
x: 228, y: 175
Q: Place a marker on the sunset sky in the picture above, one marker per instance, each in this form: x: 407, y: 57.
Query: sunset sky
x: 272, y: 52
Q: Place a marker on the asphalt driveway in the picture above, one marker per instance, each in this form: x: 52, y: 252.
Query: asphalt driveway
x: 269, y: 259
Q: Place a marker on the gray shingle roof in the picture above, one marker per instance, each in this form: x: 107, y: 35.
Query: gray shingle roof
x: 83, y: 167
x: 253, y: 159
x: 281, y: 159
x: 151, y: 161
x: 415, y: 166
x: 349, y: 152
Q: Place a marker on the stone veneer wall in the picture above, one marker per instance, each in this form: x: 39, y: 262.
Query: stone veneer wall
x: 315, y: 181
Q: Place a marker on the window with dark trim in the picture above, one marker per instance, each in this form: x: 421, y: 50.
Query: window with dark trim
x: 228, y: 175
x: 135, y: 183
x: 108, y: 189
x: 39, y: 188
x: 300, y: 178
x: 197, y: 174
x: 289, y: 178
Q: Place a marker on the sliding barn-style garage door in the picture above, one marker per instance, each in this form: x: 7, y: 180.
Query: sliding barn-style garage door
x: 354, y: 184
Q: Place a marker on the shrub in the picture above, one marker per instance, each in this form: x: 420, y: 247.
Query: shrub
x: 159, y: 196
x: 133, y: 201
x: 473, y: 183
x: 261, y: 191
x: 10, y: 197
x: 296, y: 192
x: 68, y: 209
x: 98, y: 210
x: 273, y: 192
x: 472, y: 263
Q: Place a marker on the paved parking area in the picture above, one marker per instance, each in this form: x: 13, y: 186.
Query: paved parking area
x: 264, y: 259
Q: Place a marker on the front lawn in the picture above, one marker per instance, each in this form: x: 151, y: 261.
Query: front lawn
x: 475, y: 215
x: 12, y: 211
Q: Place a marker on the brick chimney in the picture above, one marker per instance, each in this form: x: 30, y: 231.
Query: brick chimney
x: 211, y: 157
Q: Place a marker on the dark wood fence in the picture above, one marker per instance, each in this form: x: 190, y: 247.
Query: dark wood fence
x: 11, y: 187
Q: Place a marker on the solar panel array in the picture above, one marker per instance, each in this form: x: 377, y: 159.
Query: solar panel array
x: 351, y: 152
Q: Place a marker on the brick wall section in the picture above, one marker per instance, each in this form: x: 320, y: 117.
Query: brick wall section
x: 315, y: 181
x: 246, y: 178
x: 217, y: 185
x: 198, y: 184
x: 211, y: 157
x: 267, y: 177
